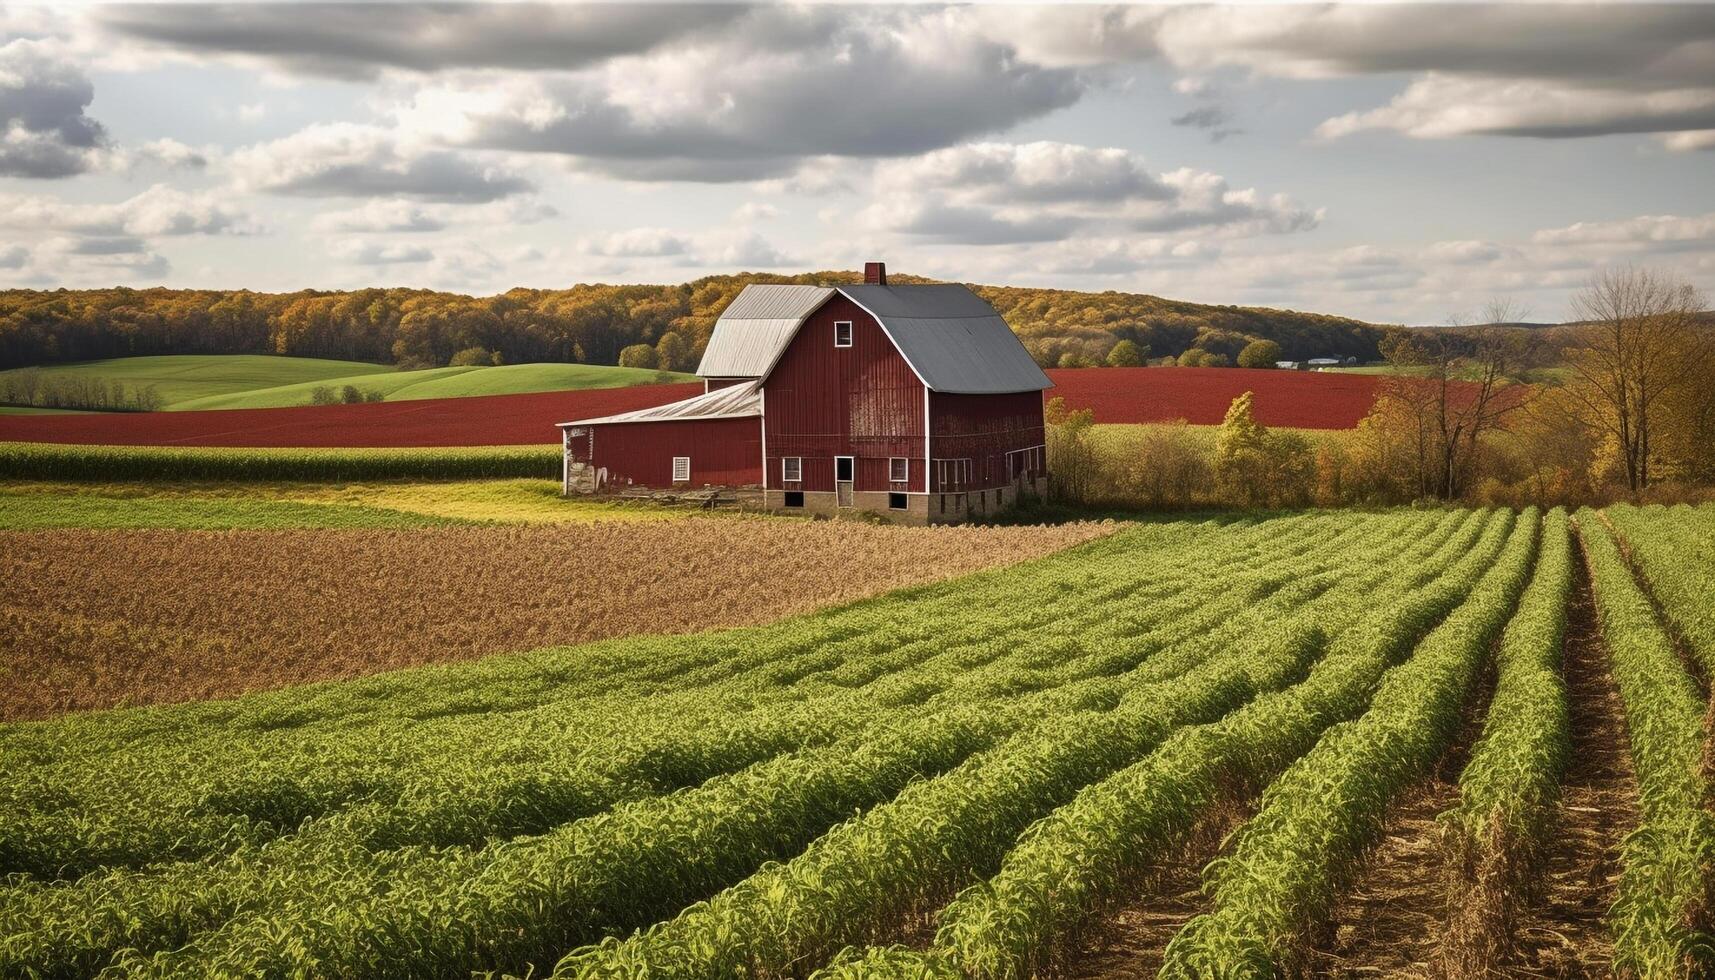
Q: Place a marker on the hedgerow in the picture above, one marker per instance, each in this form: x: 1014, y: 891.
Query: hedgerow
x: 50, y: 461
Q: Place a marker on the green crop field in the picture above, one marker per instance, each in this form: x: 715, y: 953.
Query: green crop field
x: 191, y: 382
x: 447, y: 382
x: 184, y: 377
x: 1405, y: 740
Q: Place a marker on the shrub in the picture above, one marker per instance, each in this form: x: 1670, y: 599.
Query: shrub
x: 1193, y: 357
x: 323, y: 395
x: 1127, y: 354
x: 351, y: 395
x: 638, y: 356
x: 1259, y: 354
x: 474, y: 357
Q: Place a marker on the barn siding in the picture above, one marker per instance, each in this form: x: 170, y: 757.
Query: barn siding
x: 983, y: 429
x: 863, y: 401
x: 724, y: 452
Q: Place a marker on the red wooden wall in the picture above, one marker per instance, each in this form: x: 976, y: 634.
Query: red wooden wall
x: 983, y: 429
x: 724, y: 452
x: 863, y: 401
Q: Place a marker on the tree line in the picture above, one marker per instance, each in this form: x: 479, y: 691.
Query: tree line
x: 664, y: 327
x: 1630, y: 414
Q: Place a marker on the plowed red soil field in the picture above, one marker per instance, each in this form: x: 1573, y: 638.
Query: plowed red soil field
x: 1198, y: 395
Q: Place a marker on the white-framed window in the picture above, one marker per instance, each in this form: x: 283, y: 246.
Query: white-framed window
x: 681, y: 469
x: 842, y: 333
x: 899, y: 468
x: 791, y: 468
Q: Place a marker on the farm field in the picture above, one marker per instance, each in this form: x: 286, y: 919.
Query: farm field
x: 193, y: 382
x: 183, y: 377
x: 1201, y: 396
x: 1416, y: 740
x: 99, y: 617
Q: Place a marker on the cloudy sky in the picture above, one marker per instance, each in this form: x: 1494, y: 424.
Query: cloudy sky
x: 1398, y: 163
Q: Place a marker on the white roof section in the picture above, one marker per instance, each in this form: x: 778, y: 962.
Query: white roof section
x: 736, y: 402
x: 950, y: 336
x: 755, y: 327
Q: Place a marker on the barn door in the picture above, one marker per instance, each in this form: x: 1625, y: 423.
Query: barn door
x: 844, y: 469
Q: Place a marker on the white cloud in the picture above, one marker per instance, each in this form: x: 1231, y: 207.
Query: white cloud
x: 1658, y: 230
x: 755, y: 211
x: 160, y: 210
x: 379, y: 216
x: 352, y: 160
x: 367, y: 252
x: 1002, y: 193
x: 1439, y: 106
x: 636, y: 243
x: 252, y: 112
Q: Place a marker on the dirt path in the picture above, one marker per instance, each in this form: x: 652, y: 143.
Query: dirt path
x: 1562, y: 933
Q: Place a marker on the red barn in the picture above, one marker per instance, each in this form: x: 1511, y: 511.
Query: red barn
x: 915, y: 401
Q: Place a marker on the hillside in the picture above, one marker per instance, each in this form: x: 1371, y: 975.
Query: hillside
x: 192, y: 382
x: 592, y: 324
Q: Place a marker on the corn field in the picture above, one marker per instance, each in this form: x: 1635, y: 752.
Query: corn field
x: 1001, y: 775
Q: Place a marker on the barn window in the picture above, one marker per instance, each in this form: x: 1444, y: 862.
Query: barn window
x: 681, y: 469
x: 842, y: 333
x: 791, y: 468
x: 794, y: 498
x: 899, y: 469
x: 896, y: 501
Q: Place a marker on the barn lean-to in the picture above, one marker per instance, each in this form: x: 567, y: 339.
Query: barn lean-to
x: 912, y: 401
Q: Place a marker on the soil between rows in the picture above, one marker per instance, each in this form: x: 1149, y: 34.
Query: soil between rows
x: 1563, y: 933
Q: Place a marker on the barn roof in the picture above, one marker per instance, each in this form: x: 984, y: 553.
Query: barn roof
x: 950, y: 336
x: 756, y: 326
x: 738, y: 401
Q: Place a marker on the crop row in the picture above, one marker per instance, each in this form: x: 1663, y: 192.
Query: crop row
x: 1678, y: 564
x: 155, y: 910
x: 1661, y: 918
x: 525, y: 759
x: 1070, y: 863
x: 859, y: 879
x: 1509, y: 788
x: 1317, y: 821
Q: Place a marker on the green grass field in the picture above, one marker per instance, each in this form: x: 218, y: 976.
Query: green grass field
x: 183, y: 377
x: 192, y: 382
x: 447, y: 382
x: 1552, y: 375
x: 26, y: 410
x: 30, y: 505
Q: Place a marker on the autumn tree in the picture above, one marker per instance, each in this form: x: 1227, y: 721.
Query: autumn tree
x: 637, y: 356
x: 1257, y: 467
x: 1126, y: 353
x: 1259, y: 354
x: 1640, y: 351
x: 673, y: 352
x: 1072, y: 456
x: 1449, y: 392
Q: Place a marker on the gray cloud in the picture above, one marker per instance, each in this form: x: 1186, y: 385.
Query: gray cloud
x: 1212, y: 119
x: 355, y: 40
x: 44, y: 132
x: 121, y: 245
x: 755, y: 102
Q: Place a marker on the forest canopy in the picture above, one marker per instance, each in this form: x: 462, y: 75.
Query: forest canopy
x: 594, y: 324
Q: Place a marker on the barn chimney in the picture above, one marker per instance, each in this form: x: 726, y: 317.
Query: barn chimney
x: 875, y: 273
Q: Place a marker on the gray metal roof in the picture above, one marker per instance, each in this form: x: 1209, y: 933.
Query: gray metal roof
x: 738, y: 401
x: 755, y: 327
x: 950, y: 336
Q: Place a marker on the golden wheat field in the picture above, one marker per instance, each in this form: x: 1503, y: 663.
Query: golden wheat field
x: 94, y: 619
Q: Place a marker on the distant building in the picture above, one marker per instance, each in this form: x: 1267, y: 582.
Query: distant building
x: 1287, y: 365
x: 1318, y: 363
x: 913, y: 401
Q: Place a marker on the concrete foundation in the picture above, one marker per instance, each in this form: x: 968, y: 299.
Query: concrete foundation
x: 920, y: 508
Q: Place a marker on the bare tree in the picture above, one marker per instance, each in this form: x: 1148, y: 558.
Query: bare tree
x: 1451, y: 388
x: 1639, y: 343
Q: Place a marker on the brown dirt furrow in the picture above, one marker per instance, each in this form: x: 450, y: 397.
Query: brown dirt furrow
x: 1390, y: 922
x: 93, y: 619
x: 1562, y: 932
x: 1128, y: 942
